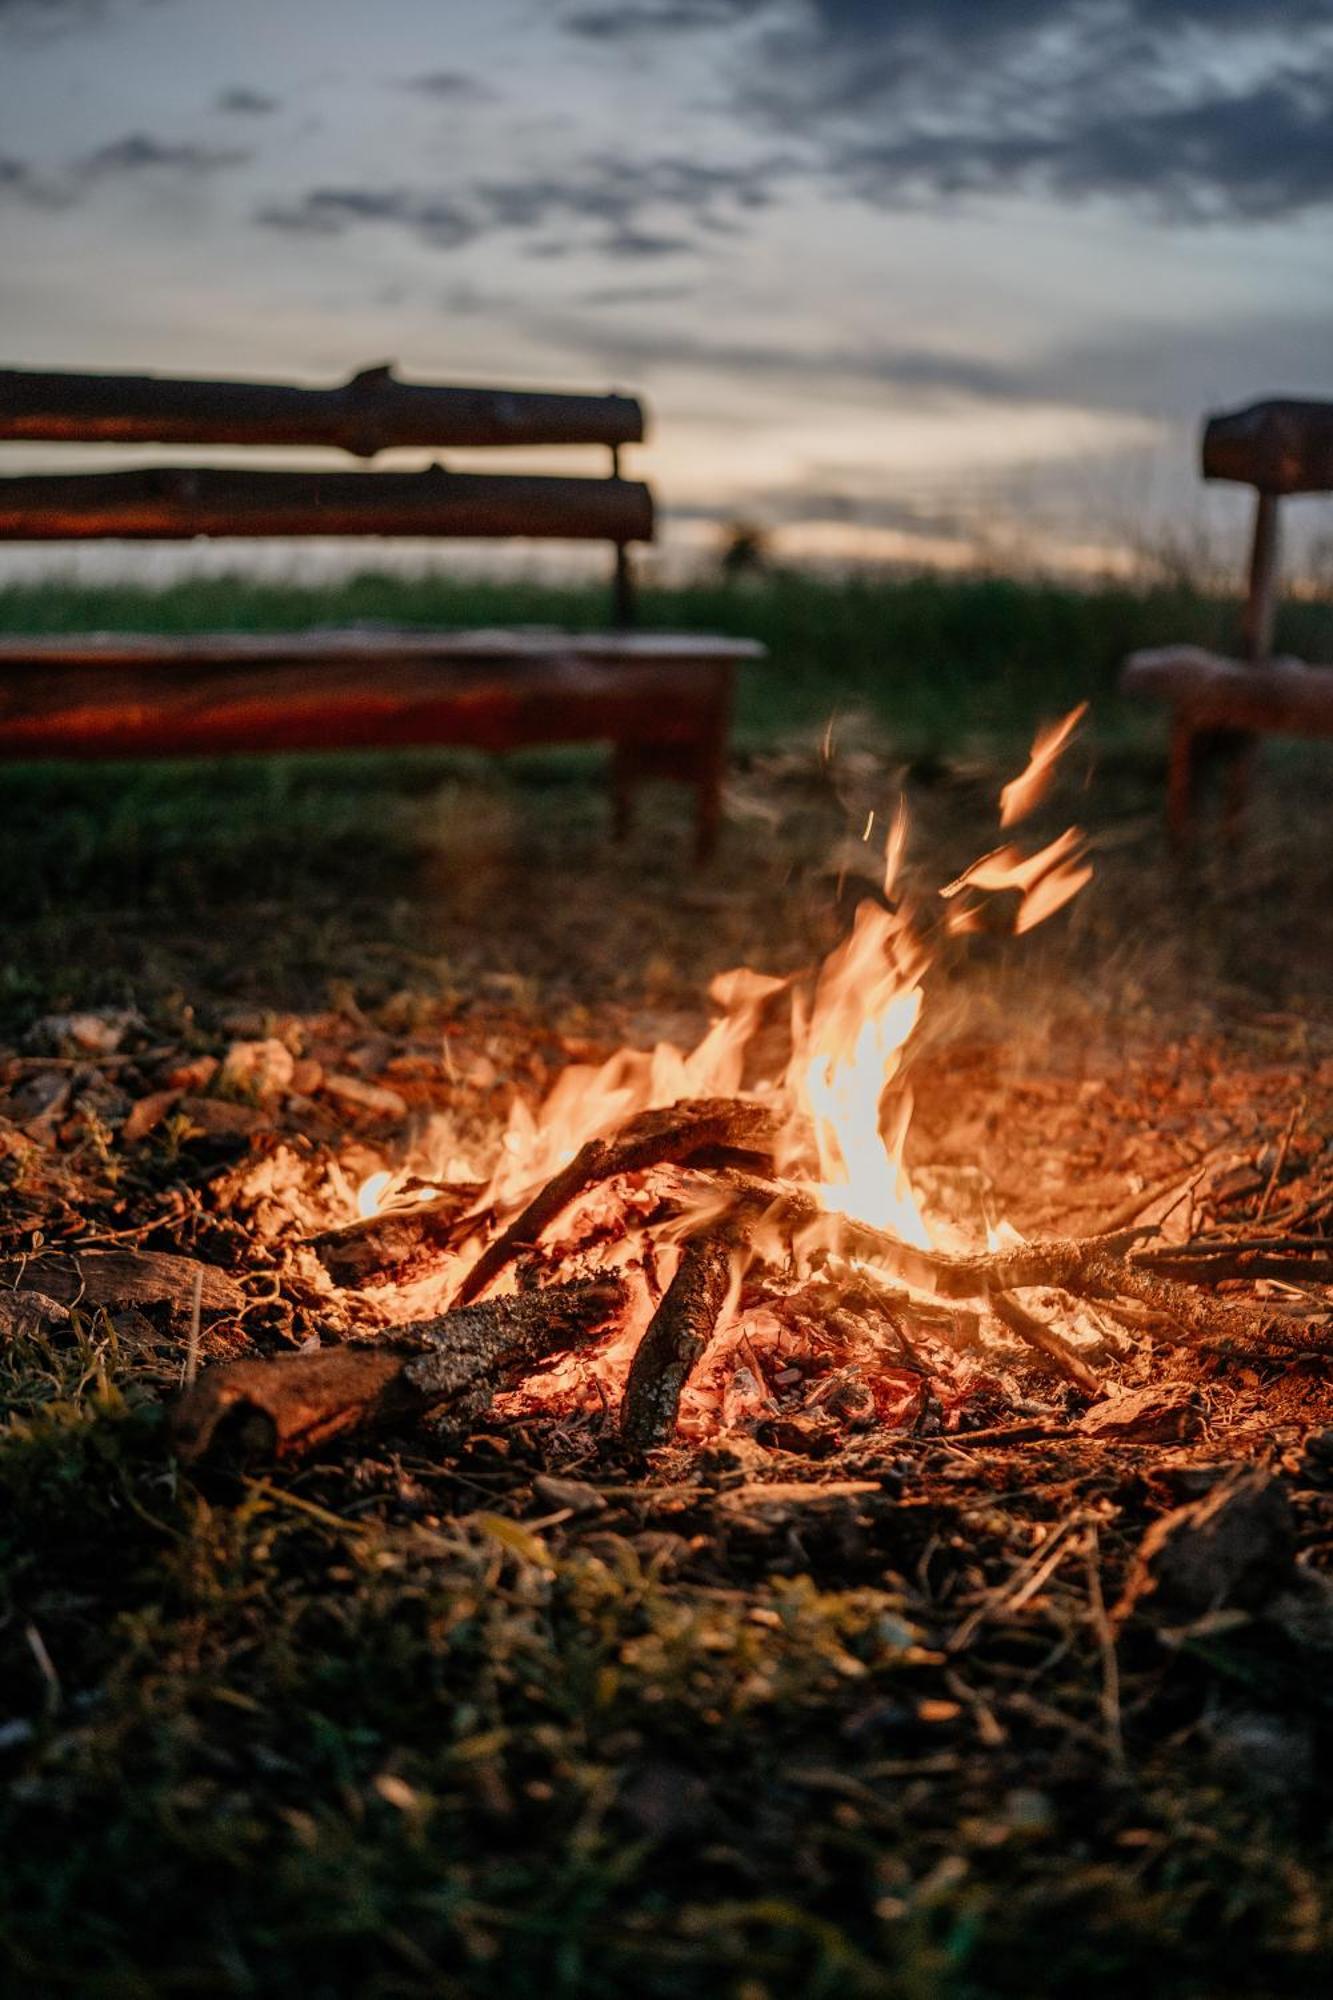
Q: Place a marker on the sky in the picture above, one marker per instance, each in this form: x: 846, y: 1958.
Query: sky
x: 915, y: 281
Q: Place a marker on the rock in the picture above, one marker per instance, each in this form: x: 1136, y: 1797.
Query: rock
x: 358, y: 1095
x: 1156, y: 1415
x: 261, y: 1069
x: 83, y: 1034
x: 1235, y: 1549
x: 195, y: 1075
x: 570, y: 1495
x: 147, y: 1114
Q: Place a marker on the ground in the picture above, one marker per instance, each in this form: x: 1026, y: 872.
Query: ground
x: 420, y: 1718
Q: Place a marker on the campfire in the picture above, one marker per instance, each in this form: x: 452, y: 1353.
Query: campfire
x: 727, y: 1241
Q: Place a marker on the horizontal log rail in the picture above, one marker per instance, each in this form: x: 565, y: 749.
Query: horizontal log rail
x: 1280, y: 447
x: 176, y: 503
x: 368, y: 414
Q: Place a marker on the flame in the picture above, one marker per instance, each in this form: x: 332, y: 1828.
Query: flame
x: 1046, y: 880
x: 842, y: 1097
x: 370, y: 1195
x: 1022, y: 793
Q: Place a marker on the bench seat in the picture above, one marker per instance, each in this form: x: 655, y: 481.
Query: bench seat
x: 1283, y: 696
x: 662, y: 700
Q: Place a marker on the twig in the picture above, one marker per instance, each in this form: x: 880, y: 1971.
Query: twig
x: 1284, y: 1147
x: 1038, y: 1334
x: 1101, y: 1625
x: 192, y: 1345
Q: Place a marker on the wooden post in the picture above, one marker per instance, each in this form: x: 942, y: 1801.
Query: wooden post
x: 1260, y: 604
x: 1236, y: 750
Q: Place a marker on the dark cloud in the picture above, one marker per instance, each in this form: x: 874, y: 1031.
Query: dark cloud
x: 140, y: 153
x: 615, y: 204
x: 242, y: 103
x: 1195, y: 110
x: 331, y: 211
x: 450, y: 86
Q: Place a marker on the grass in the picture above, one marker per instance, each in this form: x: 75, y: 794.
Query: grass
x: 922, y: 653
x: 283, y: 1737
x: 359, y: 1731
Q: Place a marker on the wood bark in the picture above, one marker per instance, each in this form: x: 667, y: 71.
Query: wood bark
x: 179, y: 502
x: 365, y: 415
x: 119, y: 1277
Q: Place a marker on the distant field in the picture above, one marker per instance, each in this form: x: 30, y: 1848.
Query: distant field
x: 935, y: 659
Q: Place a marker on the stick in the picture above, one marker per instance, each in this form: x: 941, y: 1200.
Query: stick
x: 1046, y: 1340
x: 288, y: 1407
x: 725, y: 1126
x: 677, y: 1335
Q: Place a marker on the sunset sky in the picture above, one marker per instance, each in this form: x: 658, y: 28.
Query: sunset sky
x: 900, y: 280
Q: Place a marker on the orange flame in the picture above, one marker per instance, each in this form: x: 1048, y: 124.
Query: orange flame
x: 1022, y: 793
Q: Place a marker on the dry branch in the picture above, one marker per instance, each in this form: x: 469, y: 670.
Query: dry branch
x: 1046, y: 1340
x: 721, y: 1127
x: 678, y: 1333
x: 287, y: 1407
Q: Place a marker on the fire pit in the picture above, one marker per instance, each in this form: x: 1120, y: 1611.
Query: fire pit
x: 680, y: 1247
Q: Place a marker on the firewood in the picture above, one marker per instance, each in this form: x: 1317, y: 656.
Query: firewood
x: 122, y: 1277
x: 1088, y: 1267
x: 287, y: 1407
x: 678, y: 1333
x: 722, y: 1128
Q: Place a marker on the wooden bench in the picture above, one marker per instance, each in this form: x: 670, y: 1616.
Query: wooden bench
x: 1220, y: 706
x: 661, y: 700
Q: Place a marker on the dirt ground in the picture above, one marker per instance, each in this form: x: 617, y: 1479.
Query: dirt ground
x: 1021, y: 1692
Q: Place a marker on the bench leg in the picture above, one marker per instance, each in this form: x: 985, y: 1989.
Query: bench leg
x: 1238, y: 755
x: 624, y: 771
x: 709, y: 770
x: 1182, y: 779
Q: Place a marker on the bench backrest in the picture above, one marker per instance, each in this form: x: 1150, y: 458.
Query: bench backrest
x: 1277, y: 447
x: 372, y: 412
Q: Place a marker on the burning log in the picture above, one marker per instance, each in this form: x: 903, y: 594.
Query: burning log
x: 678, y: 1333
x: 288, y: 1407
x: 700, y: 1132
x: 356, y: 1252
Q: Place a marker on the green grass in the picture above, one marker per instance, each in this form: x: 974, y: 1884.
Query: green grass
x: 926, y: 654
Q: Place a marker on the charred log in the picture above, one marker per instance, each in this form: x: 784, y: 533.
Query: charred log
x: 288, y: 1407
x: 678, y: 1334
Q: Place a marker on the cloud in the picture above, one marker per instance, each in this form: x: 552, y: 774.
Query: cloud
x: 332, y: 211
x: 450, y: 86
x: 239, y: 102
x: 624, y: 207
x: 1195, y: 111
x: 140, y: 153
